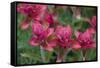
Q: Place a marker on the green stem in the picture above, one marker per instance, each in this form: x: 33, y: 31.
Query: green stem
x: 61, y: 57
x: 82, y: 55
x: 66, y: 54
x: 42, y: 54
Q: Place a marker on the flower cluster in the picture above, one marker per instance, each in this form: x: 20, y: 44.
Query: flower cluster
x: 48, y: 33
x: 32, y: 12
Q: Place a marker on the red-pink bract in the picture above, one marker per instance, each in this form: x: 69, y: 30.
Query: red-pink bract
x: 41, y: 36
x: 63, y: 35
x: 31, y: 11
x: 85, y: 39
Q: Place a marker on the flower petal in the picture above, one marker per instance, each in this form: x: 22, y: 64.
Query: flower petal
x: 52, y: 43
x: 48, y: 48
x: 24, y: 25
x: 49, y: 18
x: 69, y: 30
x: 76, y: 46
x: 34, y: 41
x: 50, y: 31
x: 92, y: 44
x: 24, y: 8
x: 90, y: 30
x: 37, y: 28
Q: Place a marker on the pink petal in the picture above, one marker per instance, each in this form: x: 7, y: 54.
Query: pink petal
x: 38, y: 11
x: 87, y: 36
x: 24, y: 8
x: 20, y: 9
x: 76, y: 46
x: 42, y: 35
x: 93, y: 44
x: 49, y: 18
x: 90, y: 45
x: 58, y: 30
x: 34, y: 41
x: 37, y: 28
x: 63, y: 35
x: 48, y: 48
x: 63, y: 31
x: 71, y: 41
x: 24, y: 25
x: 52, y: 43
x: 91, y: 30
x: 34, y: 11
x: 69, y: 30
x: 63, y: 45
x: 50, y: 31
x: 46, y: 33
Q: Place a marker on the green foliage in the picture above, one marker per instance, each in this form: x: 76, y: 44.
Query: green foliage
x: 88, y: 11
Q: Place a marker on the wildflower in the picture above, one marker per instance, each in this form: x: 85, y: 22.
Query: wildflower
x: 85, y: 39
x: 32, y: 12
x: 63, y: 35
x: 43, y: 37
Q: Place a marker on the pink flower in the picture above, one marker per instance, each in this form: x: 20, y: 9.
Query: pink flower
x: 37, y: 28
x: 85, y: 39
x: 43, y: 36
x: 34, y: 41
x: 49, y: 18
x: 33, y: 11
x: 24, y: 8
x: 39, y: 11
x: 64, y: 35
